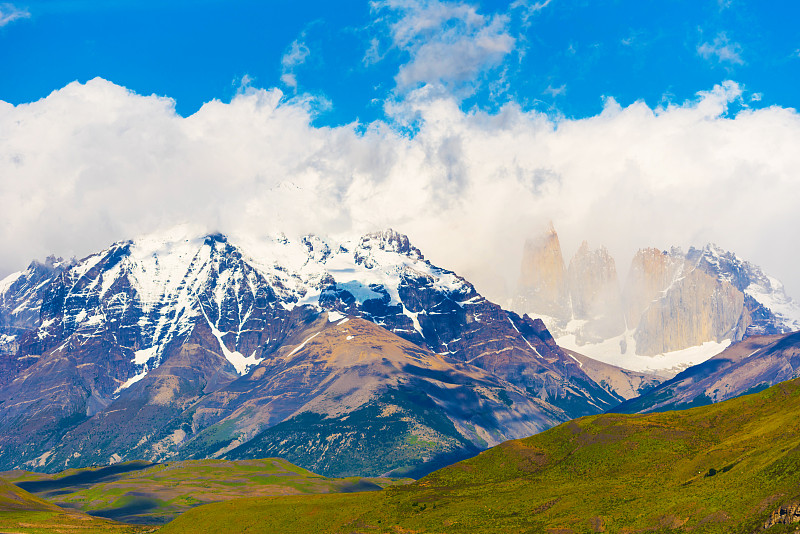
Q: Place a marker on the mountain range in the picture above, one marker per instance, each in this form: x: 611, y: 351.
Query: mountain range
x: 360, y: 357
x: 344, y: 357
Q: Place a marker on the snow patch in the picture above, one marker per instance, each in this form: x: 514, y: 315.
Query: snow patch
x: 131, y: 381
x: 6, y: 338
x: 667, y: 364
x: 523, y: 337
x: 334, y: 316
x: 771, y: 294
x: 141, y: 357
x: 6, y: 282
x: 240, y: 362
x: 80, y: 316
x: 303, y: 344
x: 413, y: 316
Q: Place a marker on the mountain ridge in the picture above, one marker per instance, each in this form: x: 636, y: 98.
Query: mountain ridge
x: 755, y: 363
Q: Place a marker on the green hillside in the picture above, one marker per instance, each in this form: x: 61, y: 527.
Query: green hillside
x: 13, y: 498
x: 720, y: 468
x: 147, y: 493
x: 21, y: 512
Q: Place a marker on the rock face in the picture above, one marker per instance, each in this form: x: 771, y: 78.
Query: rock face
x: 693, y: 309
x: 583, y: 299
x: 652, y: 271
x: 176, y: 346
x: 671, y: 300
x: 704, y: 295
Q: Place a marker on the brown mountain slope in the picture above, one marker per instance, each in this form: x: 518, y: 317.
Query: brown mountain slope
x: 621, y: 382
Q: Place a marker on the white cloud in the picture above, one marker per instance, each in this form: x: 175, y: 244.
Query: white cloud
x: 95, y: 163
x: 294, y: 56
x: 373, y: 53
x: 9, y: 13
x: 556, y: 91
x: 722, y: 49
x: 448, y: 42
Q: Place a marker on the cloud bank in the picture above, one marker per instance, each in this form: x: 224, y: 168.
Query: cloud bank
x: 94, y: 163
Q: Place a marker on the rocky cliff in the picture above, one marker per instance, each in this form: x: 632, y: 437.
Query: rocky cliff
x: 651, y: 272
x: 693, y: 309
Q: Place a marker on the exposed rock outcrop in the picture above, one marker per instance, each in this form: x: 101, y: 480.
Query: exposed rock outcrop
x: 652, y: 272
x: 787, y: 514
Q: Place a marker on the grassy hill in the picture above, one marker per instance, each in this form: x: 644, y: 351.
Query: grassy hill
x: 721, y: 468
x: 21, y: 512
x: 143, y: 492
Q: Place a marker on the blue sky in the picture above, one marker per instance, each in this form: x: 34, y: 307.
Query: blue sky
x: 629, y: 123
x: 561, y: 56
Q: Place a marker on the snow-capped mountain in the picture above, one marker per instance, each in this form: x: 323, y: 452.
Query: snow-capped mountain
x: 674, y: 310
x: 172, y: 328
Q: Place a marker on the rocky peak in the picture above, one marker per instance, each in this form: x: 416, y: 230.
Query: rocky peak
x: 589, y: 272
x: 672, y: 300
x: 22, y: 294
x: 722, y: 264
x: 386, y: 241
x: 318, y: 250
x: 159, y: 322
x: 542, y: 283
x: 217, y: 237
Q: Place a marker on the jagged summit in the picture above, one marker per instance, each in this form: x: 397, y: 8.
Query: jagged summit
x: 543, y: 277
x: 157, y: 286
x: 773, y: 311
